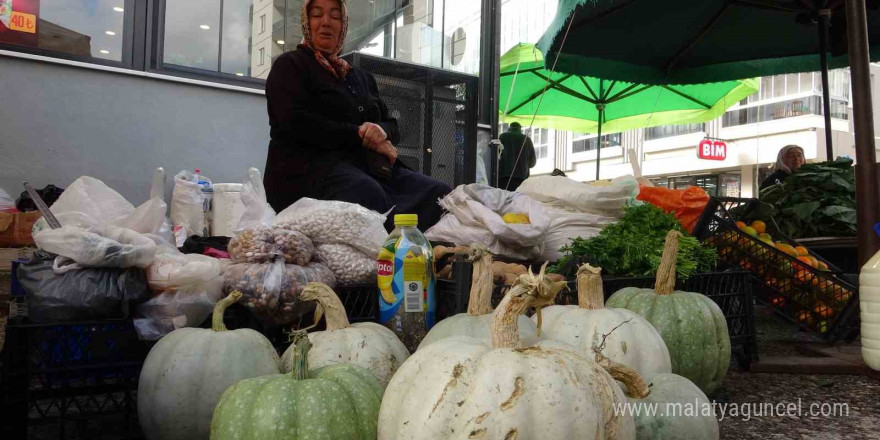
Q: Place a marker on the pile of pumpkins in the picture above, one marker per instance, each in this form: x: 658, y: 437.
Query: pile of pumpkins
x: 564, y: 373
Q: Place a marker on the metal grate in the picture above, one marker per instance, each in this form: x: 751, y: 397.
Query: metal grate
x: 436, y: 112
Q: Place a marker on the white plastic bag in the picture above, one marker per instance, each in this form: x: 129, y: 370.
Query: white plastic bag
x: 6, y: 201
x: 257, y: 211
x: 188, y: 205
x: 110, y: 246
x: 476, y: 215
x: 569, y: 195
x: 330, y: 221
x: 565, y: 226
x: 173, y: 270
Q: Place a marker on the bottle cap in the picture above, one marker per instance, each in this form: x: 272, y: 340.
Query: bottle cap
x: 406, y: 219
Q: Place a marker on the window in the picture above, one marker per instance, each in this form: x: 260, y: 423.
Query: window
x: 663, y: 131
x: 540, y: 140
x: 262, y: 56
x: 810, y: 105
x: 95, y: 31
x: 263, y: 23
x: 589, y: 144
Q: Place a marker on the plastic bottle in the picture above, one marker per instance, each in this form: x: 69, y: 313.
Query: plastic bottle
x: 407, y: 304
x: 207, y: 197
x: 869, y: 302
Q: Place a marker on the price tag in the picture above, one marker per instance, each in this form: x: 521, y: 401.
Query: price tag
x: 23, y: 22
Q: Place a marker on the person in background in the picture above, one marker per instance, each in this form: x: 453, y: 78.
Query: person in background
x: 331, y: 135
x: 516, y: 159
x: 789, y: 160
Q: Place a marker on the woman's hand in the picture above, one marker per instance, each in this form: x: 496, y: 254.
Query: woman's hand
x: 372, y: 135
x: 386, y: 149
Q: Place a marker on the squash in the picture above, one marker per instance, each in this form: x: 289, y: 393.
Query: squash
x: 477, y: 322
x: 630, y: 339
x: 670, y: 408
x: 691, y: 324
x: 365, y: 344
x: 187, y: 370
x: 467, y: 388
x: 337, y: 402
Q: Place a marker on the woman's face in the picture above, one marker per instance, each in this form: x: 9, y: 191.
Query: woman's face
x: 794, y: 158
x: 325, y: 24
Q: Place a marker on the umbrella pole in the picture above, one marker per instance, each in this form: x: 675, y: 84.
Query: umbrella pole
x: 824, y: 15
x: 867, y: 202
x: 601, y: 108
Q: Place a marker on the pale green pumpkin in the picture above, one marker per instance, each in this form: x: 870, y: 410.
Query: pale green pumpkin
x: 692, y: 325
x: 683, y: 411
x: 337, y: 402
x: 187, y: 371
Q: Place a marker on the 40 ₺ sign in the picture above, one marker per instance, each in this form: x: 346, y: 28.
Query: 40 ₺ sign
x: 712, y: 150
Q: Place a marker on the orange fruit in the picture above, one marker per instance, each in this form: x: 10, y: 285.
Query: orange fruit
x: 778, y: 301
x: 787, y: 249
x: 741, y: 225
x: 823, y: 310
x: 759, y: 226
x: 810, y: 261
x: 805, y: 317
x: 751, y: 231
x: 802, y: 251
x: 823, y: 266
x: 813, y: 261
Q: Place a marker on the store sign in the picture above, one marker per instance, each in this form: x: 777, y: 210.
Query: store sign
x: 20, y: 22
x: 711, y: 149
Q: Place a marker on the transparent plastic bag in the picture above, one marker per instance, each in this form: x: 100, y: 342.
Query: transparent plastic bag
x: 272, y: 290
x: 174, y: 309
x: 351, y: 266
x: 262, y: 245
x: 188, y: 205
x: 110, y: 246
x: 330, y: 221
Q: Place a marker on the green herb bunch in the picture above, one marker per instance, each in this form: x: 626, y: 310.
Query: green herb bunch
x: 634, y: 246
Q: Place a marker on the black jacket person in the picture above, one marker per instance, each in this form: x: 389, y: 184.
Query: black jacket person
x: 327, y: 123
x: 511, y: 169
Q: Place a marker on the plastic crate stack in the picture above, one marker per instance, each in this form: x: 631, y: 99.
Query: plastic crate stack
x: 731, y: 290
x: 817, y: 300
x: 60, y: 376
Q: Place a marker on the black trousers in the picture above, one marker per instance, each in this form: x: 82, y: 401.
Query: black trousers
x: 408, y: 192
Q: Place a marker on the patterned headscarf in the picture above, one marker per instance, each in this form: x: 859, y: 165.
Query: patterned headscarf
x: 780, y: 158
x: 335, y: 65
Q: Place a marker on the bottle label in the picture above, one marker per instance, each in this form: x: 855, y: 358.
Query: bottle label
x: 406, y: 280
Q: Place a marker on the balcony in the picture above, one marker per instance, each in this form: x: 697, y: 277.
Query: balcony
x: 810, y: 105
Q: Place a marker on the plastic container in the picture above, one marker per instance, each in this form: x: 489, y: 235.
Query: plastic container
x: 405, y: 265
x: 207, y: 198
x: 226, y: 209
x: 869, y: 291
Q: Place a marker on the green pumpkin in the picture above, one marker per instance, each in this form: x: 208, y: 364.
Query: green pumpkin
x: 692, y: 325
x: 337, y: 402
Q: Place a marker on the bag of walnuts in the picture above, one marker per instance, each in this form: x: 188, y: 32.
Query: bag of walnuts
x: 272, y: 290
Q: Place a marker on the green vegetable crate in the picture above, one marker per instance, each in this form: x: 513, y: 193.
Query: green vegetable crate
x: 818, y: 300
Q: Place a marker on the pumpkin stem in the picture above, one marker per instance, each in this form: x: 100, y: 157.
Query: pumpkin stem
x: 329, y: 305
x: 480, y: 301
x: 529, y: 290
x: 665, y: 283
x: 589, y: 285
x: 217, y: 324
x: 301, y: 354
x: 635, y: 385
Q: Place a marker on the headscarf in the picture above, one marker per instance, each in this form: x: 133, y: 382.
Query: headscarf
x: 780, y: 158
x: 335, y: 65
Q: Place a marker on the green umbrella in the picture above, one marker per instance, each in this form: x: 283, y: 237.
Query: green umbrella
x: 691, y: 42
x: 533, y: 95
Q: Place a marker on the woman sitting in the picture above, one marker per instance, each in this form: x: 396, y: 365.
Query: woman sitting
x: 789, y: 160
x: 332, y: 137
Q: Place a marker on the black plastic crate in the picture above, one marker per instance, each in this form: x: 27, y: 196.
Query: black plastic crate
x: 820, y: 301
x: 68, y: 377
x: 731, y: 290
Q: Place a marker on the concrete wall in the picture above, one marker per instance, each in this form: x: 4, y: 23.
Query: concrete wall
x: 58, y: 122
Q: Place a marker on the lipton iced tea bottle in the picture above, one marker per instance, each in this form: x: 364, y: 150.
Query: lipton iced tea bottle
x: 406, y: 282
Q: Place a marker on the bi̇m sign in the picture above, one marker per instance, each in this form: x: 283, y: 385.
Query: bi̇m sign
x: 712, y: 150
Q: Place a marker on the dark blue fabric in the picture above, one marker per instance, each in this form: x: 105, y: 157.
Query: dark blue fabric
x: 407, y: 191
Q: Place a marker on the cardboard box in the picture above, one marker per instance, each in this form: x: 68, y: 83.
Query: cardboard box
x: 15, y: 229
